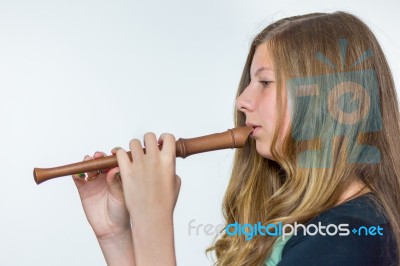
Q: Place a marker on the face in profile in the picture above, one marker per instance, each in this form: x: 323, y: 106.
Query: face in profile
x: 258, y: 102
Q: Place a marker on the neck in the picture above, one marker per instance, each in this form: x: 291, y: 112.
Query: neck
x: 356, y: 188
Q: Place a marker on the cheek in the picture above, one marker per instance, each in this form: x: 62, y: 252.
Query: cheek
x: 286, y: 118
x: 286, y: 123
x: 268, y: 113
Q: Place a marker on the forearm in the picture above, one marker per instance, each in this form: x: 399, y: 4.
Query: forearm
x: 118, y: 250
x: 154, y: 242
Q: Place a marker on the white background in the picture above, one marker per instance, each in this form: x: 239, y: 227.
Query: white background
x: 81, y: 76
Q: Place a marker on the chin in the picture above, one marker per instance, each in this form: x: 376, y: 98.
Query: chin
x: 265, y: 153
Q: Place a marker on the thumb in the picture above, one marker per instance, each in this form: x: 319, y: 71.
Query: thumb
x: 115, y: 184
x: 177, y: 188
x: 178, y: 183
x: 79, y: 178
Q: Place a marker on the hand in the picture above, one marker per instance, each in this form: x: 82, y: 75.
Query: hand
x: 103, y: 202
x: 151, y: 186
x: 104, y: 205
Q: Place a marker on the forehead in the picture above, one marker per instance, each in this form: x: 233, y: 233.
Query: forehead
x: 261, y: 58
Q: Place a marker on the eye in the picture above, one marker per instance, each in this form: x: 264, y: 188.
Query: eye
x: 265, y: 83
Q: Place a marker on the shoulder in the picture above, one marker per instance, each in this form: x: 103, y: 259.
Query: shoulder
x: 365, y: 208
x: 354, y: 233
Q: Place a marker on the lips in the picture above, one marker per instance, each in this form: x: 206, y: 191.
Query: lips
x: 255, y: 130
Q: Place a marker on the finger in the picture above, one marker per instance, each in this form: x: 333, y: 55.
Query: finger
x: 114, y: 150
x: 99, y: 154
x: 115, y: 183
x: 80, y: 176
x: 136, y: 150
x: 113, y: 177
x: 96, y: 155
x: 124, y: 162
x: 168, y: 143
x: 150, y: 143
x: 83, y: 177
x: 79, y: 179
x: 178, y: 182
x: 93, y: 174
x: 177, y: 188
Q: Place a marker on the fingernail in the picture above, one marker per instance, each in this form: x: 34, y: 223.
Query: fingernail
x: 117, y: 174
x: 82, y: 175
x: 117, y: 148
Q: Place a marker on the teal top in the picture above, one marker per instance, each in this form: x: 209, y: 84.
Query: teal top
x: 276, y: 254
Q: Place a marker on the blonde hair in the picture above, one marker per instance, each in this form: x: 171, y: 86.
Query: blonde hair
x: 282, y: 190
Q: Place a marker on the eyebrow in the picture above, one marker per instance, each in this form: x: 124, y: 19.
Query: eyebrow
x: 262, y: 69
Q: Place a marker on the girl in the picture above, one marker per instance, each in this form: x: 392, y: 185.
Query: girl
x: 322, y: 156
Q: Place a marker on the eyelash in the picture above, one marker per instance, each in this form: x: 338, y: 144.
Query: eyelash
x: 265, y: 83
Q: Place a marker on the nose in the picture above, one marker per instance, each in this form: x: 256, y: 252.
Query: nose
x: 245, y: 102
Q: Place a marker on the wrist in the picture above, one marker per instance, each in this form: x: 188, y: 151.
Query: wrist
x: 119, y: 235
x: 118, y: 249
x: 154, y: 241
x: 153, y: 217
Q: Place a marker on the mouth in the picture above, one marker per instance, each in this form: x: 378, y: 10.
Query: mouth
x: 256, y: 128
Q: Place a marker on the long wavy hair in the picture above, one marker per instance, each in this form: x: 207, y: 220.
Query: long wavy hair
x: 301, y: 182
